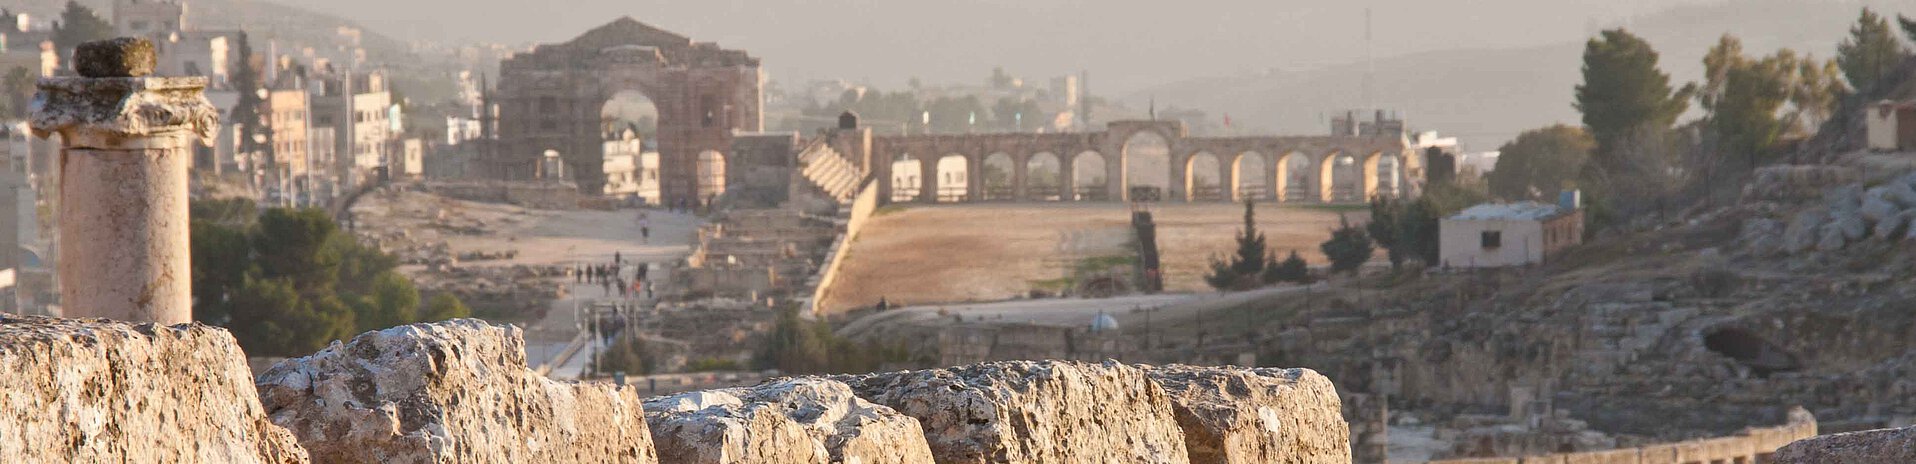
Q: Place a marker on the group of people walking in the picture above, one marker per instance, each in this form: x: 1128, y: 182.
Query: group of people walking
x: 612, y: 277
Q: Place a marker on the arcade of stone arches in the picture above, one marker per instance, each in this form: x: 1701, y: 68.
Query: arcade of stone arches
x: 1079, y: 167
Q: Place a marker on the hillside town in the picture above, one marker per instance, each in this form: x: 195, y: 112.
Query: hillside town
x: 252, y: 231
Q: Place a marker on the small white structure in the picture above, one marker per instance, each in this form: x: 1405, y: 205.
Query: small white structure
x: 1509, y: 234
x: 1892, y: 125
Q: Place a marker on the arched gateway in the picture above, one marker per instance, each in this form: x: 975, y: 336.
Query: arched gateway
x: 551, y: 98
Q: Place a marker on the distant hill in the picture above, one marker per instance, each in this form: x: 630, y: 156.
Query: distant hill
x: 1487, y: 96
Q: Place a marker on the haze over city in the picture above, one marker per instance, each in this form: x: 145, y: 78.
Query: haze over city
x: 995, y: 231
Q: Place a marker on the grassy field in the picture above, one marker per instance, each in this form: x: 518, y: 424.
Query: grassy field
x: 959, y: 253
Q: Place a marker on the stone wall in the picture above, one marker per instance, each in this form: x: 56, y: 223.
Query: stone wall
x: 1886, y: 446
x: 452, y: 392
x: 460, y: 392
x: 92, y: 390
x: 1753, y: 445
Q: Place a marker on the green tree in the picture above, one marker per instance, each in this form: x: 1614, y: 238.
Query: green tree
x: 1292, y: 269
x: 1623, y: 92
x: 1819, y: 87
x: 1746, y: 118
x: 1246, y: 266
x: 1348, y: 248
x: 1909, y: 26
x: 393, y: 302
x: 79, y: 24
x: 444, y: 307
x: 221, y: 260
x: 1870, y: 52
x: 19, y: 86
x: 631, y: 355
x: 1386, y: 216
x: 270, y: 318
x: 1540, y: 161
x: 292, y: 243
x: 254, y: 136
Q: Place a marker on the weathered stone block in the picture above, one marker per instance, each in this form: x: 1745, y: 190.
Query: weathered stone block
x: 449, y: 392
x: 93, y: 390
x: 1886, y: 446
x: 800, y: 420
x: 1234, y: 415
x: 121, y: 57
x: 1051, y: 412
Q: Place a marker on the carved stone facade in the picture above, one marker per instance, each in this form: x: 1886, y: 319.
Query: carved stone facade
x: 552, y: 99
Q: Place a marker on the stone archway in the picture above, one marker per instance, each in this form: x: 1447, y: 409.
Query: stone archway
x: 953, y: 179
x: 1089, y: 181
x: 1293, y: 180
x: 998, y: 177
x: 554, y: 96
x: 1145, y: 161
x: 711, y: 174
x: 906, y: 184
x: 1250, y: 179
x: 1201, y: 180
x: 1336, y: 171
x: 1044, y: 177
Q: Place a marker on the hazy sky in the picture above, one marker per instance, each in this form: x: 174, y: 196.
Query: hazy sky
x: 1125, y: 44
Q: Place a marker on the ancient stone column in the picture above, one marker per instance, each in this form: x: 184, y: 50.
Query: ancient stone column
x: 126, y: 145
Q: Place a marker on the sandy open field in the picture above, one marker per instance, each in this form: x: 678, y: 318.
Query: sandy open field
x: 947, y: 254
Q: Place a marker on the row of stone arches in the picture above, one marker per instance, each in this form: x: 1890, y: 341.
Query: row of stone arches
x: 1249, y: 175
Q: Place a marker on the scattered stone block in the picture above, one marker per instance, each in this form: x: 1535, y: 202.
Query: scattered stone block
x: 121, y: 57
x: 1234, y: 415
x: 800, y: 420
x: 1886, y: 446
x: 94, y: 390
x: 1031, y: 412
x: 449, y: 392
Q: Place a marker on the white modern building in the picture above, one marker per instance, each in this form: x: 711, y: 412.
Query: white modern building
x: 1509, y: 234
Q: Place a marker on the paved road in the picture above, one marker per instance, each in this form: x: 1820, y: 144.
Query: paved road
x: 672, y: 236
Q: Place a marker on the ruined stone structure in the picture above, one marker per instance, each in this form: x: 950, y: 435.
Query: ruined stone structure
x: 552, y: 99
x: 1103, y: 166
x: 1754, y: 445
x: 127, y: 144
x: 460, y: 391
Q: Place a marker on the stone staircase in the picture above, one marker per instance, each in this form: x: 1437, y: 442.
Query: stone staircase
x: 830, y: 172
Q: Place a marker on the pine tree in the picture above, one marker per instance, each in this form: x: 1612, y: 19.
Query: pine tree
x: 1292, y: 269
x: 255, y: 136
x: 1624, y: 92
x: 79, y: 24
x: 1248, y: 263
x: 1909, y: 26
x: 1385, y: 227
x: 1349, y: 247
x: 1870, y: 52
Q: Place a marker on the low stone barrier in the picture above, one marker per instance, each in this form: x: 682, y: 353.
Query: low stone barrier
x: 1752, y: 445
x: 93, y: 390
x: 460, y: 392
x: 1886, y: 446
x: 455, y: 391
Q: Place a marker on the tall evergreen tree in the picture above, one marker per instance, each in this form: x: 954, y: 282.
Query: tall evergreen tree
x: 1385, y: 227
x: 79, y: 24
x: 1623, y: 92
x: 254, y: 136
x: 1247, y: 264
x: 1870, y: 52
x: 1909, y: 26
x: 1348, y: 248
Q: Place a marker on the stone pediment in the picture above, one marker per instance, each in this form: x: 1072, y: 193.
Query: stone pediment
x: 628, y: 32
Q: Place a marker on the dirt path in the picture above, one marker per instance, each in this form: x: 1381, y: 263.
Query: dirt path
x: 977, y: 253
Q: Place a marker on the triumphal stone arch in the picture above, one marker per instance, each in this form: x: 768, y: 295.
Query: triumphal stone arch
x: 552, y: 99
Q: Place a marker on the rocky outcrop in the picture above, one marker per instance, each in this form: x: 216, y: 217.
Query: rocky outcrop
x: 450, y: 392
x: 800, y: 420
x: 1232, y: 415
x: 92, y: 390
x: 1052, y: 412
x: 1886, y: 446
